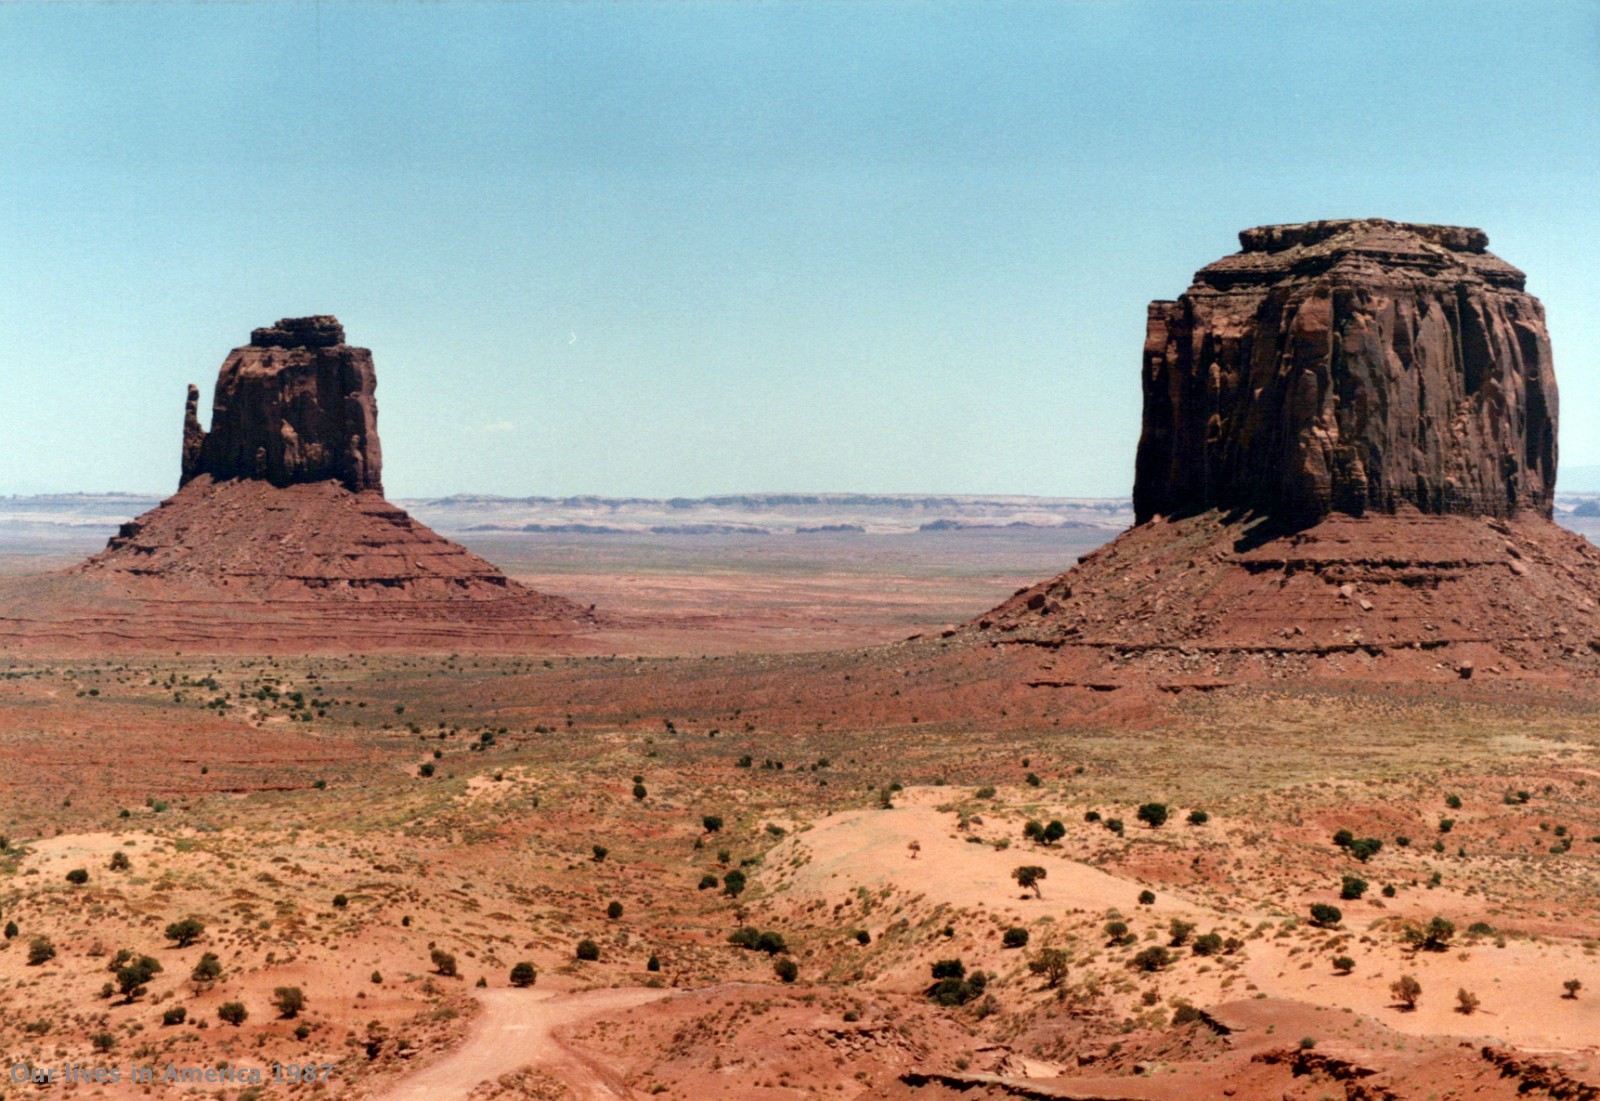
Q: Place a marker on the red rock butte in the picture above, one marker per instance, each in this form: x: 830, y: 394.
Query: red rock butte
x: 279, y: 536
x: 1346, y: 469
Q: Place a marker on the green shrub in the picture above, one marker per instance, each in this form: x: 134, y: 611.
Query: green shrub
x: 1198, y: 818
x: 786, y: 969
x: 588, y: 950
x: 1014, y: 937
x: 614, y: 911
x: 207, y: 970
x: 185, y: 932
x: 1154, y: 958
x: 288, y: 1001
x: 1147, y: 898
x: 120, y: 861
x: 1344, y: 964
x: 733, y: 883
x: 523, y: 974
x: 233, y: 1013
x: 1324, y: 916
x: 78, y: 876
x: 1153, y: 815
x: 175, y: 1015
x: 40, y: 950
x: 1352, y: 887
x: 443, y: 962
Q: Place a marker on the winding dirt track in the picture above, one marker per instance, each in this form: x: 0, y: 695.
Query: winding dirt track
x: 517, y: 1029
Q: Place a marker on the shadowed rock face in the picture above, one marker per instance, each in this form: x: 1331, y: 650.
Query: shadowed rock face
x: 1349, y: 366
x: 296, y: 405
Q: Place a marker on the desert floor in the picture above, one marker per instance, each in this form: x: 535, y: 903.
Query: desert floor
x: 392, y: 834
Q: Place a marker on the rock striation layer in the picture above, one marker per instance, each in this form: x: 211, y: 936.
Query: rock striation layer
x: 1349, y: 366
x: 294, y: 406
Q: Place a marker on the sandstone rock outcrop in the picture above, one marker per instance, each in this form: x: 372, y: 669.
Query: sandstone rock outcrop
x: 1346, y: 469
x: 279, y: 536
x: 294, y: 406
x: 1349, y: 366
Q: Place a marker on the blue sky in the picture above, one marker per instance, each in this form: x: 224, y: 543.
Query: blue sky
x: 689, y: 248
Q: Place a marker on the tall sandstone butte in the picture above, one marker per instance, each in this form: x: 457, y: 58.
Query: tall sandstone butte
x: 279, y: 536
x: 1349, y: 366
x: 1346, y: 469
x: 296, y: 405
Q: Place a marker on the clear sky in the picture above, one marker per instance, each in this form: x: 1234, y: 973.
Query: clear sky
x: 690, y: 248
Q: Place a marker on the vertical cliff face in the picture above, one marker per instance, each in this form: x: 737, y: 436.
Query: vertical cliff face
x: 294, y: 406
x: 1349, y: 366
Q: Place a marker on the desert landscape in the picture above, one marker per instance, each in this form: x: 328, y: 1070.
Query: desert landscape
x: 1278, y: 792
x: 912, y: 552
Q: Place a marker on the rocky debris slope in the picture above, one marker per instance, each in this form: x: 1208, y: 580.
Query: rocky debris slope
x: 1346, y: 468
x: 1349, y: 366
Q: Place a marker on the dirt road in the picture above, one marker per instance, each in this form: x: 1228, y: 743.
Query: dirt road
x: 517, y: 1029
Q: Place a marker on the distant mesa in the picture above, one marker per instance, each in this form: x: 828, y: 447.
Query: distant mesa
x: 1346, y: 468
x: 279, y: 534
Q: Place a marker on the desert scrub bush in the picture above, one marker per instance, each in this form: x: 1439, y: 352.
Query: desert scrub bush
x: 1051, y: 964
x: 1208, y: 944
x: 1028, y: 877
x: 1344, y: 964
x: 176, y: 1015
x: 443, y: 962
x: 133, y: 977
x: 1198, y: 818
x: 40, y: 951
x: 600, y: 853
x: 1433, y: 937
x: 207, y: 970
x: 708, y: 882
x: 120, y: 862
x: 1352, y: 887
x: 1154, y: 958
x: 1153, y: 815
x: 733, y: 883
x: 523, y: 974
x: 1117, y: 933
x: 1466, y: 1002
x: 185, y: 932
x: 1179, y: 931
x: 288, y: 1001
x: 786, y: 969
x: 1014, y: 937
x: 1324, y: 916
x: 587, y: 950
x: 711, y: 823
x: 614, y: 911
x: 78, y: 877
x: 984, y: 792
x: 233, y: 1013
x: 1406, y: 990
x: 1147, y: 898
